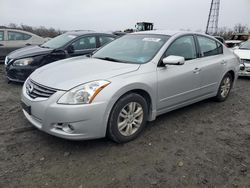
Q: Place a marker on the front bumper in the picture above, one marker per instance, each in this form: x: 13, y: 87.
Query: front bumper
x: 18, y: 74
x: 244, y: 69
x: 74, y: 122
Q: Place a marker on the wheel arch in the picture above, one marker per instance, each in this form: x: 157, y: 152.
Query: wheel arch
x: 141, y: 89
x: 232, y: 73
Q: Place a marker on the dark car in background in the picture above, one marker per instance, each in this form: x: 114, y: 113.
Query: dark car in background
x: 12, y: 39
x: 221, y: 39
x: 21, y: 63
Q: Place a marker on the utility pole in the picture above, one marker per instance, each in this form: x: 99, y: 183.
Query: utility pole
x: 213, y: 17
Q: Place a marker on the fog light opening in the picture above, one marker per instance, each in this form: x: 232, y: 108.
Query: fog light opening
x: 68, y: 128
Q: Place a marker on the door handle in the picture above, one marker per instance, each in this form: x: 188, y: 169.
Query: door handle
x: 197, y: 70
x: 1, y: 45
x: 223, y: 62
x: 28, y: 44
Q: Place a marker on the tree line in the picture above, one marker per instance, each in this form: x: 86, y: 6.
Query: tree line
x: 227, y: 33
x: 40, y: 31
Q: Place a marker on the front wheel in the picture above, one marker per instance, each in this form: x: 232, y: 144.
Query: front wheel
x: 128, y: 118
x: 225, y: 88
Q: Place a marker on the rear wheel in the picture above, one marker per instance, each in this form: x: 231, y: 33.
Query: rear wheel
x: 225, y: 88
x: 128, y: 118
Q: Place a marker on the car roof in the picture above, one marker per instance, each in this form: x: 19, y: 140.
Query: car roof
x: 16, y: 30
x: 166, y: 32
x: 85, y: 32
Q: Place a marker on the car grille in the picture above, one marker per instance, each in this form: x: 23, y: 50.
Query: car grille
x: 35, y: 90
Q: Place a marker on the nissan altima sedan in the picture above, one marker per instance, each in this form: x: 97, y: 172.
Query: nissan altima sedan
x: 126, y: 83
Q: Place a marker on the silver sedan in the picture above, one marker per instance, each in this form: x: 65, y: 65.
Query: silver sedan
x: 126, y: 83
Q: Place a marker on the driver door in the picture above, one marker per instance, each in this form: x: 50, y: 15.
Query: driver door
x: 179, y: 84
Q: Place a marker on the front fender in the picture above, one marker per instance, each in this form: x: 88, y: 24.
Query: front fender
x: 121, y: 88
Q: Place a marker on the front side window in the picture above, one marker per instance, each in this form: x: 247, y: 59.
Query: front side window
x: 85, y: 43
x: 133, y: 48
x: 12, y: 35
x: 105, y: 40
x: 184, y: 47
x: 209, y: 47
x: 1, y: 35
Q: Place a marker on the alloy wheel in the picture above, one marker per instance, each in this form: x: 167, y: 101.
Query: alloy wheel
x: 130, y: 118
x: 225, y: 87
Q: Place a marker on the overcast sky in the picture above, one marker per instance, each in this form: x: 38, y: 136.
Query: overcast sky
x: 121, y: 14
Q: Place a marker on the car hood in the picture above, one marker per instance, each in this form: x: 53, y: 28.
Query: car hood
x: 28, y: 51
x: 69, y: 73
x: 243, y: 54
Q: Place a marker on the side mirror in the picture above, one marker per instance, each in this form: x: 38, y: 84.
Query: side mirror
x: 173, y: 60
x: 70, y: 49
x: 58, y: 53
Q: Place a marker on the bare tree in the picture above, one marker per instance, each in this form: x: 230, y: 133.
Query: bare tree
x: 225, y: 32
x: 239, y: 28
x: 41, y: 31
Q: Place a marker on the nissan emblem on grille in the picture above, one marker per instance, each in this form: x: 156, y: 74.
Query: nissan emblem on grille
x: 30, y: 87
x: 35, y: 90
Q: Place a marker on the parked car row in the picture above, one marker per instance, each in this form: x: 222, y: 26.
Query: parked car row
x: 237, y: 39
x: 21, y: 63
x: 123, y: 84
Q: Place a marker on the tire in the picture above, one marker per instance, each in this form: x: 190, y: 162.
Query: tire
x: 127, y: 118
x: 225, y: 88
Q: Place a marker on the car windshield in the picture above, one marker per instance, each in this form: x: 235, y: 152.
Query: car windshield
x: 134, y: 48
x: 245, y: 45
x: 59, y: 41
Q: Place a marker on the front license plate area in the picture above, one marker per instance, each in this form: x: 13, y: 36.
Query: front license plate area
x: 26, y: 108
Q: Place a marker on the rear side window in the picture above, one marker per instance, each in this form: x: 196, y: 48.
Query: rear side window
x: 183, y: 46
x: 209, y: 47
x: 1, y: 35
x: 85, y: 43
x: 105, y: 40
x: 12, y: 35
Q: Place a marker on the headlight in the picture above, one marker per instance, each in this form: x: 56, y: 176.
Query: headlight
x: 83, y: 94
x: 23, y: 62
x: 6, y: 60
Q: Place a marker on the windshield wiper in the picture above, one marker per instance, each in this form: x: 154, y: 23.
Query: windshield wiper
x: 111, y: 59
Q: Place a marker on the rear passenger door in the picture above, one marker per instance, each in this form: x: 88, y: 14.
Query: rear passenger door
x: 84, y: 46
x: 211, y: 63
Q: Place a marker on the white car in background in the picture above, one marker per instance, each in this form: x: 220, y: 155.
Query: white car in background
x: 243, y: 51
x: 13, y: 39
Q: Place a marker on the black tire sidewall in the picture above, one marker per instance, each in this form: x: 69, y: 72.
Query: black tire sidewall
x: 112, y: 129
